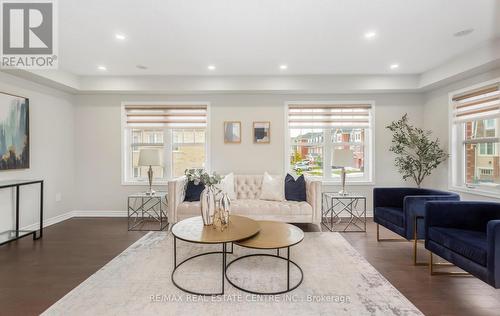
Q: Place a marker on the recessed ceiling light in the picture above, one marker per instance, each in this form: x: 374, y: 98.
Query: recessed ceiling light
x: 142, y: 67
x: 463, y: 32
x: 370, y: 34
x: 211, y: 67
x: 120, y: 36
x: 102, y: 68
x: 394, y: 66
x: 283, y: 67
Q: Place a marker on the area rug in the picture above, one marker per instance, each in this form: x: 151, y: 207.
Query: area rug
x: 337, y: 281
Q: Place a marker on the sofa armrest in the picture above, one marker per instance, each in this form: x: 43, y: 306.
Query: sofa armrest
x: 391, y: 197
x: 493, y: 235
x: 176, y: 193
x: 470, y: 215
x: 313, y: 197
x: 414, y: 205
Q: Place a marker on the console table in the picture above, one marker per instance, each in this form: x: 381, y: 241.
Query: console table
x: 15, y: 234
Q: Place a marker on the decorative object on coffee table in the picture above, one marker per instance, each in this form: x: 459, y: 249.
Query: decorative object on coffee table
x: 193, y: 230
x: 147, y: 212
x: 232, y: 132
x: 272, y: 235
x: 221, y: 218
x: 262, y: 132
x: 149, y: 157
x: 208, y: 195
x: 343, y: 212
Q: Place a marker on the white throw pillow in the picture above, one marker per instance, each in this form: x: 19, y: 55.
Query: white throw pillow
x: 273, y: 188
x: 227, y: 186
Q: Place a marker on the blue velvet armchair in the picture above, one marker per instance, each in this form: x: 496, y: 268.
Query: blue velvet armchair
x: 398, y: 209
x: 466, y: 234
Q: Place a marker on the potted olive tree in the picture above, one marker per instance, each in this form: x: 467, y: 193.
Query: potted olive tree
x: 417, y: 154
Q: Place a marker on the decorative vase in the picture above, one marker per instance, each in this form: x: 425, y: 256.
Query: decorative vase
x: 225, y: 206
x: 207, y: 201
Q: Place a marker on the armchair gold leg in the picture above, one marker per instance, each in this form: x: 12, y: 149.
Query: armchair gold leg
x: 388, y: 239
x: 448, y: 273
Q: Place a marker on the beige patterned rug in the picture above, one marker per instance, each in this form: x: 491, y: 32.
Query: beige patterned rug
x: 337, y: 281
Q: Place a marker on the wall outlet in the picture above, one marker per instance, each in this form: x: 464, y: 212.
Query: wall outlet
x: 58, y: 197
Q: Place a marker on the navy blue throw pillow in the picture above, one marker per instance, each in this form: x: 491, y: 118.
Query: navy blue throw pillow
x: 295, y: 190
x: 193, y: 191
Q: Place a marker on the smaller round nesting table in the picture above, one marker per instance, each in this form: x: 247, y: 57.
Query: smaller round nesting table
x: 272, y: 235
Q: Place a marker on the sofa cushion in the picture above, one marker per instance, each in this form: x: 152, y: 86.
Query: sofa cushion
x: 227, y: 185
x: 193, y: 191
x: 295, y: 189
x: 272, y: 188
x: 468, y: 243
x: 393, y: 215
x: 254, y: 207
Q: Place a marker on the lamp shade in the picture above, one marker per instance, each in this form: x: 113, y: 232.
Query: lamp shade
x: 343, y: 158
x: 149, y: 157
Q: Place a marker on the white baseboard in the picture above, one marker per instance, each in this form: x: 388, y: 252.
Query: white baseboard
x: 49, y: 221
x: 62, y: 217
x: 99, y: 214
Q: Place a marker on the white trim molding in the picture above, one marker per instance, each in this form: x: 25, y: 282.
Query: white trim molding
x: 49, y: 221
x: 71, y: 214
x: 457, y: 164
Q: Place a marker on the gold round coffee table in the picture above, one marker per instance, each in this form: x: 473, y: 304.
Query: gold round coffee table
x: 272, y: 235
x: 192, y: 230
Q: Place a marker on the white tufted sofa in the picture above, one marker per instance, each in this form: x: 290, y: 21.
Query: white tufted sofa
x: 248, y: 188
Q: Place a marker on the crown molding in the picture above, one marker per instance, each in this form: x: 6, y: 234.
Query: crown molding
x: 483, y: 58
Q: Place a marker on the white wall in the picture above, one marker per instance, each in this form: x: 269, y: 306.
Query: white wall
x: 51, y: 151
x: 436, y: 106
x: 98, y: 150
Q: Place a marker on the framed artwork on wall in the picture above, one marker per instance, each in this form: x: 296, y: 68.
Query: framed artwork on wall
x: 261, y: 132
x: 232, y: 132
x: 14, y: 132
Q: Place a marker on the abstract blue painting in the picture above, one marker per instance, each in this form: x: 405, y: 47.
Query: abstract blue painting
x: 14, y: 132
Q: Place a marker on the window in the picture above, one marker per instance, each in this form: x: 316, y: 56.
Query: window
x: 326, y: 136
x: 487, y: 149
x: 476, y: 139
x: 177, y: 130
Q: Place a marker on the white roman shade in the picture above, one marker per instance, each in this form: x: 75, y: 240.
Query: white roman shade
x: 173, y: 116
x: 478, y: 104
x: 329, y: 115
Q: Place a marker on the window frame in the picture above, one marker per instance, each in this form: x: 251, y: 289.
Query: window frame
x: 456, y: 140
x: 369, y: 148
x: 167, y: 141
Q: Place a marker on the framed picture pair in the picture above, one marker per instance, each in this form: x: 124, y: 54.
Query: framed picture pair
x: 261, y: 132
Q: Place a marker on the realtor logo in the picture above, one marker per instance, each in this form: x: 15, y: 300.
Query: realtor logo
x: 28, y: 35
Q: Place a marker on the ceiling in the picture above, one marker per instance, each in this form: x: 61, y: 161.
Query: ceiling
x: 254, y: 37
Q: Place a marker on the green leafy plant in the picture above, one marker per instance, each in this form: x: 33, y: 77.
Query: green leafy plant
x: 201, y: 176
x: 296, y: 157
x: 417, y: 153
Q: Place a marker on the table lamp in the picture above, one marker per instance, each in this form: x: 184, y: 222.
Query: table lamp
x: 150, y: 157
x: 343, y: 158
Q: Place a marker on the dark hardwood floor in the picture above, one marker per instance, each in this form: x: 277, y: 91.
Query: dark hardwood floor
x: 34, y: 275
